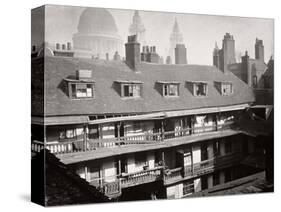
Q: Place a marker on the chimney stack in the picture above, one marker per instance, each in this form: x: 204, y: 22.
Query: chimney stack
x: 246, y: 69
x: 132, y: 52
x: 68, y: 46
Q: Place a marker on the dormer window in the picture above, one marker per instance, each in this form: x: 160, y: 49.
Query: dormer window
x: 225, y: 88
x: 170, y: 89
x: 82, y: 90
x: 82, y: 87
x: 198, y: 88
x: 130, y: 89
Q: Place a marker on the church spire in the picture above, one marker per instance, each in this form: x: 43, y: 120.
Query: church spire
x: 137, y: 28
x: 176, y: 27
x: 175, y: 38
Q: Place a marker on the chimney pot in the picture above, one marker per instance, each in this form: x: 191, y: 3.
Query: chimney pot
x: 57, y: 46
x: 68, y: 46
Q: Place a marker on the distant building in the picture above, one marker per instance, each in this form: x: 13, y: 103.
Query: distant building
x: 180, y: 54
x: 97, y: 35
x: 175, y: 38
x: 249, y: 70
x: 137, y: 28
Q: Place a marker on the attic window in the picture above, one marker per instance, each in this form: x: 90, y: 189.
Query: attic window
x: 81, y: 90
x: 170, y: 89
x: 198, y: 88
x: 130, y: 89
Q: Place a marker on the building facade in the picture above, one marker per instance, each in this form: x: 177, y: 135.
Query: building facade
x: 136, y: 129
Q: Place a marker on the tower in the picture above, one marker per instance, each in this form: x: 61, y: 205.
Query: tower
x: 180, y: 54
x: 259, y: 50
x: 216, y: 56
x: 137, y: 28
x: 228, y: 47
x: 175, y: 38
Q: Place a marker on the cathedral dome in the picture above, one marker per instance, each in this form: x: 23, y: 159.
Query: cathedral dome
x: 97, y: 35
x: 97, y: 21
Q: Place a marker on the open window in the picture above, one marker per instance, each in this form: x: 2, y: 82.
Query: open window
x: 130, y: 89
x: 198, y: 88
x: 169, y: 89
x: 225, y: 88
x: 81, y: 87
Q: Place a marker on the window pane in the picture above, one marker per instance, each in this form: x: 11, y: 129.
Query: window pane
x: 126, y: 90
x: 173, y: 91
x: 136, y: 90
x: 73, y: 90
x: 201, y: 89
x: 165, y: 90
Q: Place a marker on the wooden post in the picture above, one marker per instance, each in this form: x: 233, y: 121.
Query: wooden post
x: 163, y: 159
x: 216, y: 121
x: 101, y: 177
x: 192, y: 166
x: 119, y: 167
x: 100, y: 131
x: 85, y: 128
x: 162, y: 130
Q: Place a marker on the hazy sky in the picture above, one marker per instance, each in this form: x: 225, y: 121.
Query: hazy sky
x: 200, y: 32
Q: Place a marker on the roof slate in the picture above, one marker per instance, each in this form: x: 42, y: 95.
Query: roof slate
x: 107, y: 97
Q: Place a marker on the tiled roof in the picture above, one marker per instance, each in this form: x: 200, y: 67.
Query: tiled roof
x: 107, y: 98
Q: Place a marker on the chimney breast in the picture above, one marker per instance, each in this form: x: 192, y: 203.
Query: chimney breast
x: 132, y: 52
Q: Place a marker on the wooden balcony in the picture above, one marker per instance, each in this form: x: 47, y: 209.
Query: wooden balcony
x: 204, y: 167
x: 141, y: 177
x: 80, y: 145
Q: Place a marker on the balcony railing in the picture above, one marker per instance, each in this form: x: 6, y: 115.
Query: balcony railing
x: 141, y: 177
x: 112, y: 189
x: 203, y: 167
x: 71, y: 146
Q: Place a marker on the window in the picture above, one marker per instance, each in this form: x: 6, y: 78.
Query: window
x: 66, y: 134
x: 131, y: 90
x: 228, y: 147
x: 188, y: 188
x: 226, y: 88
x: 200, y: 89
x: 82, y: 90
x: 216, y: 179
x: 170, y: 90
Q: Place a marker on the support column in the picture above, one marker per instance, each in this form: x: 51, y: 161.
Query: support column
x: 162, y: 130
x: 197, y: 185
x: 85, y: 141
x: 100, y: 131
